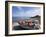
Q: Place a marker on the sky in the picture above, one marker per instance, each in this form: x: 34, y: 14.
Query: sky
x: 18, y: 11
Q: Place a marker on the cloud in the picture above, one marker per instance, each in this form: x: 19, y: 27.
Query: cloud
x: 19, y: 8
x: 27, y: 13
